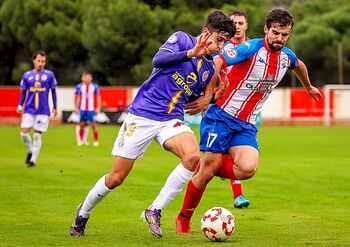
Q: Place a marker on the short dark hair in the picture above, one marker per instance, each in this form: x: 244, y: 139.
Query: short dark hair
x: 239, y: 13
x: 280, y: 16
x: 41, y: 53
x: 218, y: 22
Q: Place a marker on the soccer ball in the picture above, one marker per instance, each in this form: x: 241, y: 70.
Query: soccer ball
x: 218, y: 224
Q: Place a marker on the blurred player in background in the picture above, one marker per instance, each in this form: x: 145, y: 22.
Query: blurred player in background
x: 240, y: 19
x: 34, y: 104
x: 229, y: 125
x: 182, y: 67
x: 87, y: 104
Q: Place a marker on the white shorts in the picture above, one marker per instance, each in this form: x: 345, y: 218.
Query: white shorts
x: 137, y: 133
x: 38, y: 122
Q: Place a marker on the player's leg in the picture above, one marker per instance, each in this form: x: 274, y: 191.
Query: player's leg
x: 26, y: 124
x: 41, y: 124
x: 120, y: 170
x: 239, y: 200
x: 211, y: 162
x: 181, y: 141
x: 95, y: 130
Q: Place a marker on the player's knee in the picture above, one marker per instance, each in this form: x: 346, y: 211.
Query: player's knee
x: 190, y: 161
x: 247, y: 169
x: 114, y: 180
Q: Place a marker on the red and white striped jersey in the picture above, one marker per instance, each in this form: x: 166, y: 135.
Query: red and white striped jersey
x: 256, y: 71
x: 87, y: 93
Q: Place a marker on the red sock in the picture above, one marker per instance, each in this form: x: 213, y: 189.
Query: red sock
x: 236, y: 188
x: 226, y: 169
x: 95, y: 135
x: 192, y: 198
x: 81, y: 133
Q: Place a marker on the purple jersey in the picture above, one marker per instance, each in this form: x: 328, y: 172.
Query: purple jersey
x: 38, y: 85
x: 163, y: 95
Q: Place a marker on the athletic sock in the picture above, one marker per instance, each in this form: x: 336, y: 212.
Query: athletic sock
x: 192, y: 198
x: 95, y: 135
x: 77, y: 133
x: 236, y: 188
x: 36, y: 146
x: 86, y: 133
x: 95, y: 195
x: 226, y: 169
x: 81, y: 133
x: 173, y: 186
x: 27, y: 141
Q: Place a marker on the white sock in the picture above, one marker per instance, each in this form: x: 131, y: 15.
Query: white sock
x: 95, y: 195
x: 27, y: 141
x: 77, y: 134
x: 173, y: 186
x: 36, y: 146
x: 86, y: 132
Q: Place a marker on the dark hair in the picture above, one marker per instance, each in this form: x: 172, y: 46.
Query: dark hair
x: 218, y: 22
x: 41, y: 53
x: 86, y: 72
x: 239, y: 13
x: 279, y: 16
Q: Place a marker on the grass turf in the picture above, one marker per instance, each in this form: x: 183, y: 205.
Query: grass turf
x: 299, y: 197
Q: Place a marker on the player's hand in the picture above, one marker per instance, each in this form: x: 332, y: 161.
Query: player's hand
x: 54, y: 112
x: 200, y: 104
x: 315, y: 93
x: 201, y: 47
x: 223, y: 84
x: 19, y: 109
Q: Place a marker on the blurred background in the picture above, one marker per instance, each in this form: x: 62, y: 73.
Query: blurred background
x: 117, y: 39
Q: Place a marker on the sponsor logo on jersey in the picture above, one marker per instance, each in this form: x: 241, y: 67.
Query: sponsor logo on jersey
x: 179, y: 80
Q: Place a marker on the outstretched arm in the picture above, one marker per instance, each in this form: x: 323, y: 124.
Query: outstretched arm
x: 54, y: 101
x: 303, y: 76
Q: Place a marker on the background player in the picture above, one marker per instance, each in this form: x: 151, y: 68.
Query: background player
x: 183, y: 66
x: 36, y: 85
x: 229, y: 126
x: 87, y: 104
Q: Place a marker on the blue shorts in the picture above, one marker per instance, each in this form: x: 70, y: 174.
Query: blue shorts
x: 219, y: 131
x: 87, y: 116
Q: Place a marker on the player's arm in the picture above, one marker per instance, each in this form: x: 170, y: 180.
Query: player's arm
x: 54, y: 102
x: 76, y: 102
x: 21, y: 101
x: 301, y: 72
x: 98, y: 103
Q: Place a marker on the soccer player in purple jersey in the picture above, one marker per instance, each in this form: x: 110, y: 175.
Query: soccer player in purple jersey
x: 34, y: 104
x: 229, y: 125
x: 182, y: 67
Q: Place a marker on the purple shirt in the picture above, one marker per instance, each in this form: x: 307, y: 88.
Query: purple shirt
x: 163, y: 95
x: 38, y: 85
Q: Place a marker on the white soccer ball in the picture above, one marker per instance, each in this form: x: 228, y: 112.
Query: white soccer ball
x: 218, y: 224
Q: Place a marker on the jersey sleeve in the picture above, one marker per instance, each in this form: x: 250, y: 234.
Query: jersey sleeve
x: 232, y: 54
x: 53, y: 81
x: 24, y: 84
x: 96, y: 89
x: 176, y: 43
x: 78, y: 89
x: 294, y: 61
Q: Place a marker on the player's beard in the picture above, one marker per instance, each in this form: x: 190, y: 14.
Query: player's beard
x: 274, y: 48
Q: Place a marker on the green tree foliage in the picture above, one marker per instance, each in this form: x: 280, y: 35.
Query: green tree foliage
x: 117, y: 39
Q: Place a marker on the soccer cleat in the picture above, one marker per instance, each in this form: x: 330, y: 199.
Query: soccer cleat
x: 152, y: 217
x: 182, y: 225
x: 78, y: 227
x: 31, y: 164
x: 80, y: 143
x: 29, y: 156
x: 241, y: 202
x: 86, y: 143
x: 95, y: 144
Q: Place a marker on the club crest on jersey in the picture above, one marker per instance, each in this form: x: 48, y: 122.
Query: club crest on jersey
x: 205, y: 76
x: 172, y: 39
x: 230, y: 50
x: 44, y: 77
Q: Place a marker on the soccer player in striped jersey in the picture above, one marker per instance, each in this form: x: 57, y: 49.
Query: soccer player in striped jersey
x: 36, y: 85
x: 182, y: 67
x: 87, y: 104
x: 229, y: 125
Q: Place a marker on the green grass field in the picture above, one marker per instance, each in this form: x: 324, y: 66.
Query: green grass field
x: 299, y: 197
